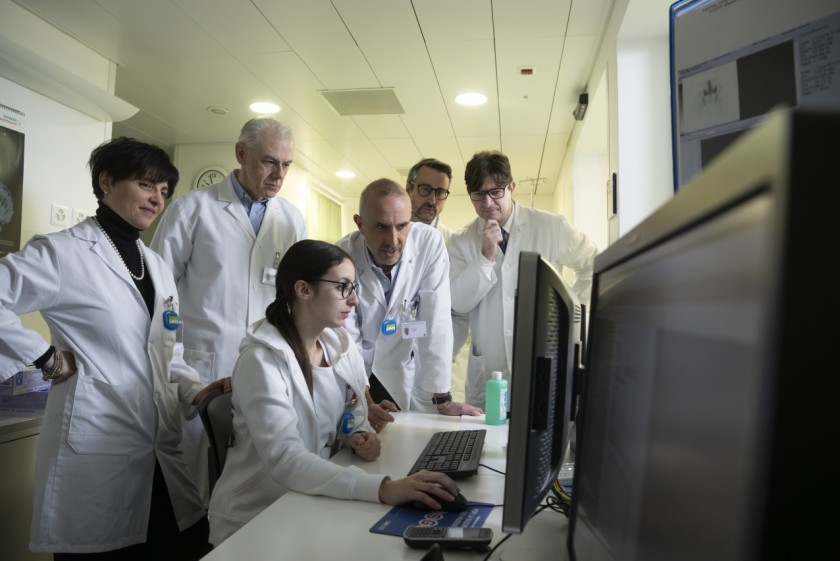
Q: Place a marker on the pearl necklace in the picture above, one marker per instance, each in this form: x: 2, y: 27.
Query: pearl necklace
x: 113, y: 245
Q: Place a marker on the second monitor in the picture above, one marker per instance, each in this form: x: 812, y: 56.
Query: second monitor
x: 545, y: 336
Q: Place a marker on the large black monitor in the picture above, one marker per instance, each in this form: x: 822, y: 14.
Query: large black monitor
x: 545, y: 334
x: 732, y: 62
x: 708, y: 413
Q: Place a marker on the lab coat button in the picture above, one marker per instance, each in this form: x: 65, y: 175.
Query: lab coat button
x: 508, y: 332
x: 256, y: 286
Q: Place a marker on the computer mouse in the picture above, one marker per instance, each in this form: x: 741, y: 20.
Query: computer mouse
x: 458, y: 504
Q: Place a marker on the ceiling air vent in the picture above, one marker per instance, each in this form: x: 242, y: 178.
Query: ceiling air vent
x: 368, y: 101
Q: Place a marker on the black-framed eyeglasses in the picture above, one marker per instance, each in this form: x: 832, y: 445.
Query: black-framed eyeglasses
x: 426, y: 190
x: 346, y: 288
x: 496, y: 193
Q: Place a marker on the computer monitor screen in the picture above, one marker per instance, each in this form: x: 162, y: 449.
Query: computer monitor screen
x: 734, y: 61
x: 545, y: 331
x: 703, y: 385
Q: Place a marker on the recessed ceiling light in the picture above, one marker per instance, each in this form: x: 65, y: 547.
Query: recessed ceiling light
x: 264, y: 107
x: 217, y: 110
x: 345, y: 174
x: 471, y: 99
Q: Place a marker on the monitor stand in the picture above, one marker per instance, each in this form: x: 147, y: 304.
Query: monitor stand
x: 544, y: 539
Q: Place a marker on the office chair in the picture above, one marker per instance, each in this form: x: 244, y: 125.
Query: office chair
x: 216, y: 414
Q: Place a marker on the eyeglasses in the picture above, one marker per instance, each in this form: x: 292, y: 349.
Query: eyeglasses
x: 426, y: 190
x: 496, y: 193
x: 346, y: 288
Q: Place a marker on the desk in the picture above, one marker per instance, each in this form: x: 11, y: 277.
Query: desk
x: 299, y: 526
x: 18, y: 443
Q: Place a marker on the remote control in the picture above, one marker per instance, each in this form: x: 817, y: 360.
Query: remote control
x: 448, y: 537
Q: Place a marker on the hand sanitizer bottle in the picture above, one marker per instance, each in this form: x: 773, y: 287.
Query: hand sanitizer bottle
x: 495, y: 410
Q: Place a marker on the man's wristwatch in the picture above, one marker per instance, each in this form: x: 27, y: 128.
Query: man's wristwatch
x: 442, y: 399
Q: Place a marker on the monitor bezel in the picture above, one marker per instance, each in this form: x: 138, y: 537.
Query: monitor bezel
x: 522, y: 493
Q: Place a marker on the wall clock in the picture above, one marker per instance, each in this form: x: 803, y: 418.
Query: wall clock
x: 209, y: 176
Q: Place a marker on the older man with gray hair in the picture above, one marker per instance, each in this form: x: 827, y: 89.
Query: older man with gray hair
x: 223, y: 243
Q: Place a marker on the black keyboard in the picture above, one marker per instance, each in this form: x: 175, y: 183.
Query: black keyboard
x: 455, y: 453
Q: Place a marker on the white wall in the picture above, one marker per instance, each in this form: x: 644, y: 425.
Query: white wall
x: 644, y: 129
x: 58, y: 140
x: 633, y: 65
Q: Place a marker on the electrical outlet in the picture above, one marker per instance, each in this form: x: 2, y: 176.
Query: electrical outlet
x: 79, y: 215
x: 60, y: 215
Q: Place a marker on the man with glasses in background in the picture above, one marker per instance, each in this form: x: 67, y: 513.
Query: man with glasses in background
x: 403, y: 314
x: 428, y: 187
x: 485, y: 264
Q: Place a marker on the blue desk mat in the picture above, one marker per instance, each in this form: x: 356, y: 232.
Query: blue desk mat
x: 400, y: 517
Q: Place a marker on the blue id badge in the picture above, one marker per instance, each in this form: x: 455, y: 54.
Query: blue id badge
x: 348, y: 423
x: 171, y: 321
x: 389, y: 326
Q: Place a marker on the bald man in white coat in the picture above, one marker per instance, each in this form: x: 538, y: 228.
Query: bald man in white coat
x: 404, y: 306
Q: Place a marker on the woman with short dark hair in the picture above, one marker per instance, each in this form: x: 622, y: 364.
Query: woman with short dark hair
x: 109, y: 474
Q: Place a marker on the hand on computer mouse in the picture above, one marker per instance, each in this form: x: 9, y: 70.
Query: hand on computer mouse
x: 458, y: 504
x: 427, y: 487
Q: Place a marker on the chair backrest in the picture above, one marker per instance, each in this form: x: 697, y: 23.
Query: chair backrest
x: 216, y: 413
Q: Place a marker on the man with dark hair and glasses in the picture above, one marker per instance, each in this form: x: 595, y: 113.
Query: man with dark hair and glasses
x: 428, y: 187
x: 485, y: 263
x: 403, y: 316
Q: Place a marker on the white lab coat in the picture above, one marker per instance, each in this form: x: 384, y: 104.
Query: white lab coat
x: 104, y: 426
x: 276, y: 431
x: 423, y: 277
x: 486, y: 290
x: 220, y: 269
x: 443, y: 229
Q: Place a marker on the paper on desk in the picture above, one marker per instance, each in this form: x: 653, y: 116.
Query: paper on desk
x: 400, y: 517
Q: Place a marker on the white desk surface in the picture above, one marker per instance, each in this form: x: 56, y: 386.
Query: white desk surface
x: 315, y: 528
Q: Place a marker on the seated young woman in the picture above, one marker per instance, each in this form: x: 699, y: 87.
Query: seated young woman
x: 298, y: 397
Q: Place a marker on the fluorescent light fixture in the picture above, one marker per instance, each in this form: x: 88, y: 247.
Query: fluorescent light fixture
x: 264, y: 107
x: 471, y: 99
x: 344, y: 174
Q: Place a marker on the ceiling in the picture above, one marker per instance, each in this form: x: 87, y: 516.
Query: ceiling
x: 178, y: 58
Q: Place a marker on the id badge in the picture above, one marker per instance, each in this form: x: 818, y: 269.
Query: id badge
x: 414, y: 329
x: 171, y: 321
x: 269, y: 275
x: 389, y: 326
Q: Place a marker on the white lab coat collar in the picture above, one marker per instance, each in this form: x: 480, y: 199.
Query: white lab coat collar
x: 101, y: 247
x: 359, y: 254
x: 336, y: 342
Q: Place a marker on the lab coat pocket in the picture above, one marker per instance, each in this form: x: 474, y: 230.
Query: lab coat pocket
x: 105, y: 418
x: 203, y: 363
x: 169, y: 431
x: 167, y: 340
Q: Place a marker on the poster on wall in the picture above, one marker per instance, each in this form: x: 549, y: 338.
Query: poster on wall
x: 11, y: 178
